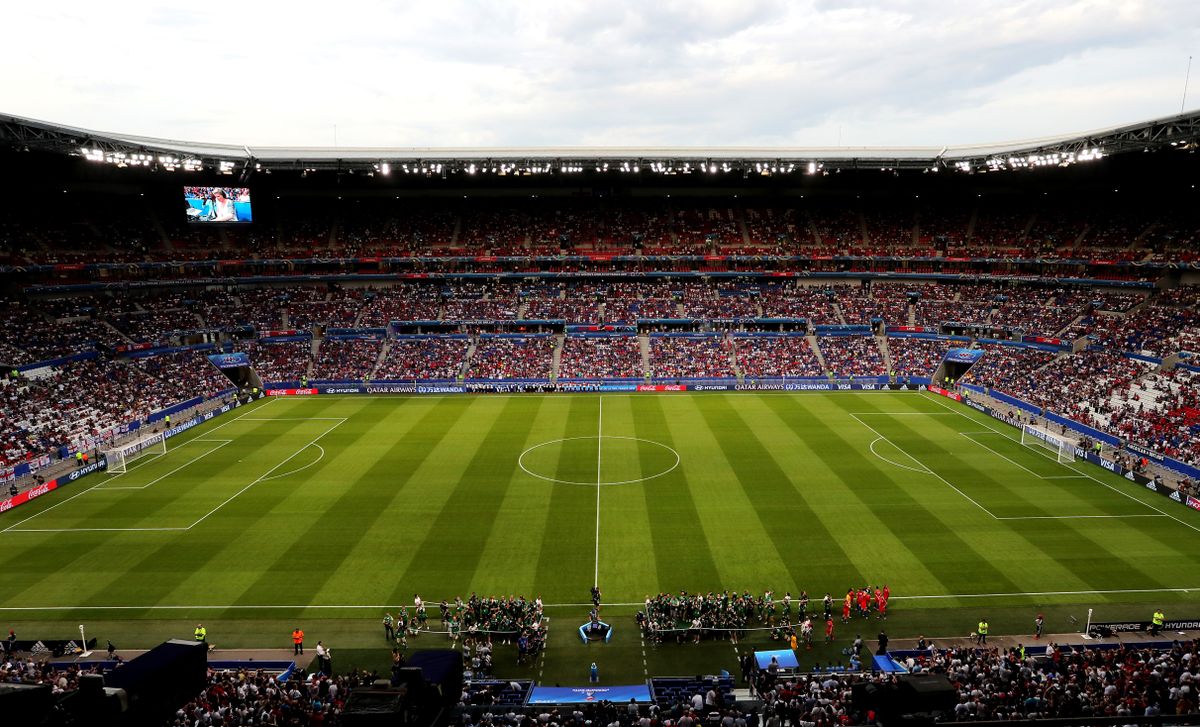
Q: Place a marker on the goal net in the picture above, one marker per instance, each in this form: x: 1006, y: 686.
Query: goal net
x: 1064, y: 450
x: 118, y: 458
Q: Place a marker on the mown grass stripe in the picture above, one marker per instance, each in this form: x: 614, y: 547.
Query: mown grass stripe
x: 450, y: 553
x: 682, y: 553
x: 1041, y: 550
x: 168, y: 561
x: 337, y: 516
x: 792, y: 525
x: 742, y: 549
x: 509, y: 561
x: 880, y: 550
x: 931, y: 533
x: 565, y: 563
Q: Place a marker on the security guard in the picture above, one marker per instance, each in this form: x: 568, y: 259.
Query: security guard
x: 79, y: 459
x: 297, y: 641
x: 167, y: 420
x: 1156, y: 622
x: 982, y: 631
x: 201, y: 633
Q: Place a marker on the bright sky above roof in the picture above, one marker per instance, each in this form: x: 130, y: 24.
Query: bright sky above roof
x: 619, y: 72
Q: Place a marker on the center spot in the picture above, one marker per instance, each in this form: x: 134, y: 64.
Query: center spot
x: 622, y: 460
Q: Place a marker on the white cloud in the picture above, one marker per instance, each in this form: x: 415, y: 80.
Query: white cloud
x: 627, y: 72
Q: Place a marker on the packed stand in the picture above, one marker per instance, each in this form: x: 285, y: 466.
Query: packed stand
x: 1160, y: 411
x: 676, y: 357
x: 769, y: 356
x: 511, y: 358
x: 190, y: 371
x: 847, y: 356
x: 916, y: 356
x: 78, y: 404
x: 1003, y: 367
x: 600, y: 357
x: 423, y: 358
x: 282, y: 361
x: 346, y: 359
x: 816, y: 305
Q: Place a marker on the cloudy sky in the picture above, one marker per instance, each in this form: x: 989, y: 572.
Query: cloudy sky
x: 618, y: 72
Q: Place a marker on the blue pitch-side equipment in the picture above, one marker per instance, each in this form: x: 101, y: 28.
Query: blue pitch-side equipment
x: 888, y: 665
x: 584, y: 629
x: 584, y: 695
x: 786, y: 657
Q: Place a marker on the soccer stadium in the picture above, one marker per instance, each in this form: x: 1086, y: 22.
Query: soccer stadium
x: 659, y: 436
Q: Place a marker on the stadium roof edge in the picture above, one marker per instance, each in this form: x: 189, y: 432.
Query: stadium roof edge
x: 1173, y: 131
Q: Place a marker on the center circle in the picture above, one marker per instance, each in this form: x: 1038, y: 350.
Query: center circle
x: 601, y: 461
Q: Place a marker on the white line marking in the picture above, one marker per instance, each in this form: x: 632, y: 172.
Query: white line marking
x: 935, y: 398
x: 163, y: 477
x: 359, y: 606
x: 1073, y: 517
x: 102, y: 481
x: 599, y: 448
x: 901, y: 413
x: 1009, y: 459
x: 589, y: 483
x: 930, y: 471
x: 292, y: 419
x: 263, y: 476
x: 891, y: 462
x: 92, y: 530
x: 298, y: 469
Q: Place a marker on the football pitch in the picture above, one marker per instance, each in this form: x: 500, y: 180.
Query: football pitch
x: 324, y: 512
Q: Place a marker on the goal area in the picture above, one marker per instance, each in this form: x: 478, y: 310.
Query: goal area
x: 117, y: 459
x: 1064, y: 450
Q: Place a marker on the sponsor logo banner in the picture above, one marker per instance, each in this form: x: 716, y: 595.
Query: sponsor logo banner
x: 948, y: 394
x: 292, y: 392
x: 964, y: 355
x: 24, y: 497
x: 662, y: 387
x: 1131, y: 626
x: 229, y: 360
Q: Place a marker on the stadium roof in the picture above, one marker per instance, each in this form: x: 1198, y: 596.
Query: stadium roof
x: 1179, y: 131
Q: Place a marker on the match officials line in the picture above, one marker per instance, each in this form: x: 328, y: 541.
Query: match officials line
x: 936, y: 399
x: 926, y: 597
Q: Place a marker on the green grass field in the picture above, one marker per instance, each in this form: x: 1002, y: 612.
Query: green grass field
x: 324, y: 511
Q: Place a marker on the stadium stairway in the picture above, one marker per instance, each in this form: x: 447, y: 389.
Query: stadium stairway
x: 560, y: 340
x: 812, y: 342
x: 466, y: 362
x: 383, y: 352
x: 882, y: 342
x: 644, y: 346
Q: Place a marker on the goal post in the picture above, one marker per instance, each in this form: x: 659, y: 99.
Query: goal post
x: 117, y: 459
x: 1064, y: 450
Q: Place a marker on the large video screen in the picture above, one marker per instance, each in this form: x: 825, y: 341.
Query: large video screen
x: 225, y: 205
